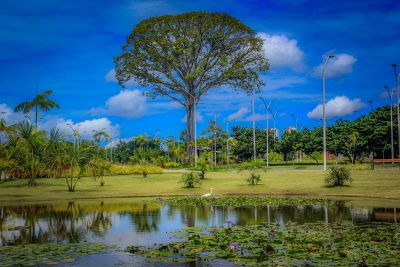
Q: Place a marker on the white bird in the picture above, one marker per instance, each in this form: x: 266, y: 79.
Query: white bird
x: 208, y: 194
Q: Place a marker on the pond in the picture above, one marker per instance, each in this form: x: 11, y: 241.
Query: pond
x: 120, y: 223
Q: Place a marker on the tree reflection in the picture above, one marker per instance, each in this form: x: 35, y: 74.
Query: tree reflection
x: 48, y: 223
x: 145, y: 219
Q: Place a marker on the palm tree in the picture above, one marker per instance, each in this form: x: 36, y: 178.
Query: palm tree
x: 100, y: 135
x: 40, y: 101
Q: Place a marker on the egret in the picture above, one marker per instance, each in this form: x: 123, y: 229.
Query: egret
x: 208, y: 194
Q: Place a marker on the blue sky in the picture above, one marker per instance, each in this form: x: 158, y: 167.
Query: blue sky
x: 68, y: 46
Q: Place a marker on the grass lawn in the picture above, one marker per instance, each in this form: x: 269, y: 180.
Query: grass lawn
x: 366, y: 183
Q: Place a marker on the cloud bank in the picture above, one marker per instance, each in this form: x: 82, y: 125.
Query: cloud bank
x: 282, y: 52
x: 340, y: 106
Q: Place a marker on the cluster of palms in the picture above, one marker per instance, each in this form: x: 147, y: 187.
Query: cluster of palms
x: 27, y: 152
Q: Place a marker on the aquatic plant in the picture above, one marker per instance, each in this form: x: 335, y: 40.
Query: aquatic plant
x: 245, y: 201
x: 49, y: 254
x: 344, y: 244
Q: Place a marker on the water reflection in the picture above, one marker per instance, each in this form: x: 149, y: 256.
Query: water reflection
x: 141, y: 223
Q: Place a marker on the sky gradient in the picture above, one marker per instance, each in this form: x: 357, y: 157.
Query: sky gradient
x: 68, y: 46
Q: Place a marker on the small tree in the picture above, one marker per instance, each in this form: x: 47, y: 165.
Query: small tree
x: 99, y: 168
x: 203, y: 166
x: 75, y: 160
x: 253, y: 168
x: 189, y: 180
x: 338, y: 176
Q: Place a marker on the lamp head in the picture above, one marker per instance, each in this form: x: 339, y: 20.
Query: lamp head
x: 394, y: 65
x: 331, y: 56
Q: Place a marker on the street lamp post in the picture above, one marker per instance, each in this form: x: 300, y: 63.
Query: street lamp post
x: 254, y: 128
x: 398, y: 107
x: 390, y: 94
x: 267, y: 107
x: 227, y: 142
x: 323, y: 107
x: 275, y: 130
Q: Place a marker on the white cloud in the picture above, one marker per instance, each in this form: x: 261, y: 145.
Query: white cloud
x: 110, y: 77
x: 130, y: 104
x: 282, y: 52
x: 48, y: 122
x: 199, y: 117
x: 340, y: 106
x: 239, y: 115
x: 243, y: 114
x: 338, y: 66
x: 257, y: 117
x: 85, y: 127
x: 8, y: 114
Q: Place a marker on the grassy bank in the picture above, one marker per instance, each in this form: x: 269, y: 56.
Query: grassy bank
x: 366, y: 183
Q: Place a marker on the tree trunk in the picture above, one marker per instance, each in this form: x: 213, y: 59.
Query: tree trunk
x: 190, y: 131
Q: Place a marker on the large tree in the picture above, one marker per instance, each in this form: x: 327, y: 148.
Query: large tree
x: 183, y: 56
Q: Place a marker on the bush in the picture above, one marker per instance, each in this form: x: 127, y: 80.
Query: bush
x: 189, y: 180
x: 254, y: 178
x: 338, y: 176
x: 252, y: 167
x: 117, y: 169
x: 171, y: 165
x: 203, y: 167
x: 99, y: 167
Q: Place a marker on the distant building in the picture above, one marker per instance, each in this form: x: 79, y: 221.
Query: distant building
x: 290, y: 129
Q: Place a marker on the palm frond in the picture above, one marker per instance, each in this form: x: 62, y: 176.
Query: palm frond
x: 25, y: 107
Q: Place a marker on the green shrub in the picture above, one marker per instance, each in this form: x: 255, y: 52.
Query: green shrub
x: 117, y: 169
x: 254, y: 178
x: 203, y: 167
x: 190, y: 180
x: 171, y: 165
x: 338, y: 176
x: 253, y: 168
x: 99, y: 167
x: 359, y: 166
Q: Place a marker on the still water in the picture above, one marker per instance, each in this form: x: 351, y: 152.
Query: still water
x: 128, y: 222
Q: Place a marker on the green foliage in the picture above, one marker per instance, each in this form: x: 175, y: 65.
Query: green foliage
x: 203, y: 166
x: 171, y: 165
x: 99, y: 167
x: 338, y: 176
x: 49, y: 254
x: 183, y: 56
x: 252, y: 167
x: 117, y: 169
x: 242, y: 147
x: 40, y: 101
x: 246, y: 201
x: 190, y: 180
x: 318, y: 244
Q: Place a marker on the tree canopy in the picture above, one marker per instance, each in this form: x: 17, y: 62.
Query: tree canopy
x: 183, y: 56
